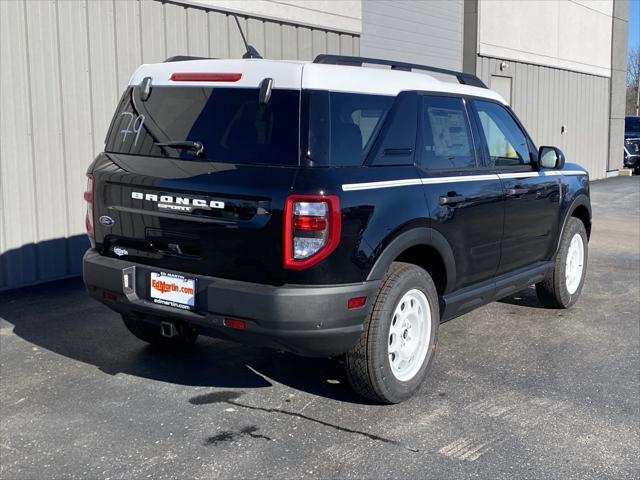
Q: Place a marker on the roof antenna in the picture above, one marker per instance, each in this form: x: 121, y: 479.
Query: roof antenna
x: 251, y: 51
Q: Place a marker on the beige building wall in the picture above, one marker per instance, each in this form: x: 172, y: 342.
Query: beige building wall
x: 571, y: 35
x: 558, y: 63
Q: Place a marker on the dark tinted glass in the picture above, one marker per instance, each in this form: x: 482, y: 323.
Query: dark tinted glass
x: 397, y: 141
x: 446, y: 136
x: 316, y: 122
x: 506, y: 142
x: 632, y: 125
x: 341, y: 126
x: 229, y: 122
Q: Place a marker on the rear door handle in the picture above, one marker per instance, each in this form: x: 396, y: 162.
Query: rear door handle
x: 517, y: 191
x: 452, y: 200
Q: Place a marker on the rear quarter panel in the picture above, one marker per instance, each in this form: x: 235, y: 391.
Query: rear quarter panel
x: 371, y: 218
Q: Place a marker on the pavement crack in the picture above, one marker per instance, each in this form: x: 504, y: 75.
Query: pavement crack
x: 370, y: 436
x: 251, y: 431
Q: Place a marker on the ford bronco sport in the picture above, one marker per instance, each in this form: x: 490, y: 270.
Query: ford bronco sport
x: 326, y: 208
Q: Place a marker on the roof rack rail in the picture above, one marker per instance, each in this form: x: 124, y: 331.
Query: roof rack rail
x: 464, y: 78
x: 184, y: 58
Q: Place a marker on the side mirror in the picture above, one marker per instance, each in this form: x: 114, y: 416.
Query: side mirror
x: 551, y: 157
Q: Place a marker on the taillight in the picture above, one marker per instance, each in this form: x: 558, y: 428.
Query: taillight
x: 88, y: 197
x: 311, y: 229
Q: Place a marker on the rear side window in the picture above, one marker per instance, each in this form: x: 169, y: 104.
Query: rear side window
x: 230, y: 123
x: 340, y: 128
x: 446, y: 136
x: 506, y: 142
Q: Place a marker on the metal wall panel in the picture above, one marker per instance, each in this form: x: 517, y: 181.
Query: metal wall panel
x: 49, y: 172
x: 69, y: 63
x: 547, y: 98
x: 75, y: 82
x: 18, y: 207
x: 154, y: 48
x: 197, y: 33
x: 419, y: 31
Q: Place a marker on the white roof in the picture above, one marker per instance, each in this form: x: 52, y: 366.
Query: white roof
x: 306, y: 75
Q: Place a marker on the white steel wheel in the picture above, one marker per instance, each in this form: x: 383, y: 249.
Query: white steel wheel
x: 409, y: 334
x: 391, y: 358
x: 574, y: 264
x: 562, y: 285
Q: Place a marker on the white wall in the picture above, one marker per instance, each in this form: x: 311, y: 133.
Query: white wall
x: 336, y: 15
x: 570, y: 34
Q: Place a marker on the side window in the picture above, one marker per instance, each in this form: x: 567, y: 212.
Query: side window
x: 338, y: 129
x: 355, y: 120
x: 446, y: 137
x: 506, y: 142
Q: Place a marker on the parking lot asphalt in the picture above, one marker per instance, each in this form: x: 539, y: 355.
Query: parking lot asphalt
x: 516, y: 391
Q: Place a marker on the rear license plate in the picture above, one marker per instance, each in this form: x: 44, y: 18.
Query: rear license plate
x: 173, y: 290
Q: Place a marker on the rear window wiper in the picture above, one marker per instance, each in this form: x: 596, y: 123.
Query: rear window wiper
x: 196, y: 147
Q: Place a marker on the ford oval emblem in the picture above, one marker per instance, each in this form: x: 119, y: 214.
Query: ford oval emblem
x: 106, y: 221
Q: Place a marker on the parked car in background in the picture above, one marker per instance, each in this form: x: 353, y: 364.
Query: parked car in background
x: 632, y: 142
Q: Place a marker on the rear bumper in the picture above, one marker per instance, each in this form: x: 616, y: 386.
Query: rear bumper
x: 308, y: 320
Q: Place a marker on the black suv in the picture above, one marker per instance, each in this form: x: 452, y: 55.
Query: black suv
x: 325, y: 208
x: 632, y: 142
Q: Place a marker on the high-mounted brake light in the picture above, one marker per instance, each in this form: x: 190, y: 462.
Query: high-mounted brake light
x: 311, y: 229
x: 205, y: 77
x: 88, y: 197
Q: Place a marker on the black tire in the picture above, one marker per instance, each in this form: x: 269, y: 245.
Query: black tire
x: 367, y: 364
x: 150, y: 333
x: 552, y: 291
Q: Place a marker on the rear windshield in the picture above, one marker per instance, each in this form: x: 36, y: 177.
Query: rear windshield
x: 230, y: 123
x: 329, y: 128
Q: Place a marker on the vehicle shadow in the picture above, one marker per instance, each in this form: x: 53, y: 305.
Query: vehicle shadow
x: 524, y: 298
x: 61, y: 318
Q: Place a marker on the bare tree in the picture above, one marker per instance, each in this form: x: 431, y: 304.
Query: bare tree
x: 633, y: 82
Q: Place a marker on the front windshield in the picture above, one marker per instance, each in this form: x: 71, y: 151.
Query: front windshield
x: 632, y: 125
x: 230, y: 123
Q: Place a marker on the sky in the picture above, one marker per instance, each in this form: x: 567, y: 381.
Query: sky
x: 634, y: 25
